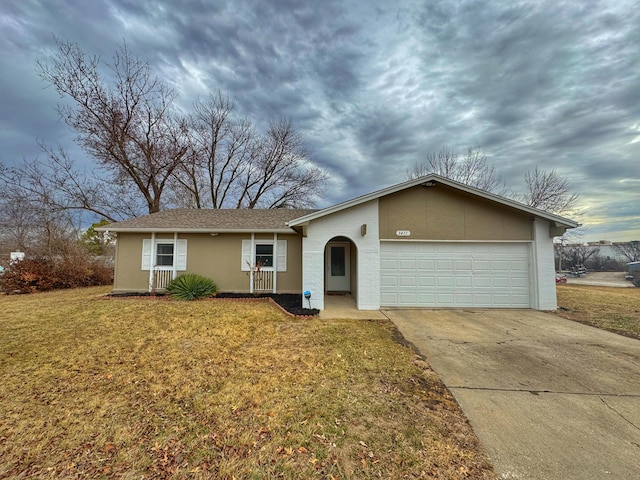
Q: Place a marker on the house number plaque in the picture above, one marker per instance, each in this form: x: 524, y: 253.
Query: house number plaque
x: 403, y: 233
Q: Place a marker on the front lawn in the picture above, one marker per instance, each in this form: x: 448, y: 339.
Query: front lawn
x: 609, y: 308
x: 155, y: 388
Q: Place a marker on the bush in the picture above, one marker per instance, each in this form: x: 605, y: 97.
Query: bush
x: 190, y: 286
x: 39, y: 274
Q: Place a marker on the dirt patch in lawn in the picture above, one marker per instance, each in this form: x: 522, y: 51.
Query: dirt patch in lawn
x: 165, y: 389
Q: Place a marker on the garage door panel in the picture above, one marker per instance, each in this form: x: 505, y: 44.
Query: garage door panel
x: 462, y: 282
x: 480, y: 265
x: 464, y: 299
x: 442, y: 281
x: 425, y: 298
x: 444, y: 265
x: 481, y: 281
x: 408, y: 298
x: 501, y: 299
x: 500, y: 265
x: 424, y: 264
x: 521, y: 282
x: 521, y: 301
x: 500, y: 282
x: 407, y: 281
x: 424, y: 248
x: 388, y: 263
x: 481, y: 298
x: 445, y: 300
x: 443, y: 248
x: 463, y: 265
x: 407, y: 264
x: 388, y: 281
x: 424, y: 281
x: 455, y: 274
x: 518, y: 265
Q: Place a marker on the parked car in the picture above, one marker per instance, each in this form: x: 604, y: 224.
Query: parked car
x: 561, y: 278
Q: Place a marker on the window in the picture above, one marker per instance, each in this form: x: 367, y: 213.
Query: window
x: 264, y: 255
x: 164, y: 254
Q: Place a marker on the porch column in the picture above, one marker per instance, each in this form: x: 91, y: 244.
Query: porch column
x: 152, y: 262
x: 174, y: 268
x: 275, y: 261
x: 252, y: 265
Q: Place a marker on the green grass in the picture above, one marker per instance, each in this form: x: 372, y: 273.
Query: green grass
x: 156, y: 388
x: 609, y: 308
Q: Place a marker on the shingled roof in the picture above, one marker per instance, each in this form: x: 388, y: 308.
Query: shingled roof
x: 211, y: 220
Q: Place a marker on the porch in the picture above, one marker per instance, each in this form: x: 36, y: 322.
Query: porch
x: 344, y: 306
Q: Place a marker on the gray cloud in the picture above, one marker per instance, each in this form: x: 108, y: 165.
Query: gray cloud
x: 375, y: 86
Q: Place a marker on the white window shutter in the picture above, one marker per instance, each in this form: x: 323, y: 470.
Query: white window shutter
x: 146, y: 254
x: 181, y: 255
x: 246, y: 256
x: 282, y: 255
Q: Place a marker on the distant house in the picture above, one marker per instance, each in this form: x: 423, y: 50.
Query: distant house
x: 428, y: 242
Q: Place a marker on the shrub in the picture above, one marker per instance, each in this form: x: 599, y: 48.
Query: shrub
x: 191, y: 286
x: 39, y: 274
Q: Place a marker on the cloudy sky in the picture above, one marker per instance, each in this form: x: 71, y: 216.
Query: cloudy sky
x: 374, y: 85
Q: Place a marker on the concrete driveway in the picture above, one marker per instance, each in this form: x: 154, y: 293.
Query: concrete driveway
x: 549, y: 398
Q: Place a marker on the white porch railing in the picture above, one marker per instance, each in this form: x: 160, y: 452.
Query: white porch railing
x: 161, y: 278
x: 263, y: 281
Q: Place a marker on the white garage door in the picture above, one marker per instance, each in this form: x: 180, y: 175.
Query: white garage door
x: 454, y: 274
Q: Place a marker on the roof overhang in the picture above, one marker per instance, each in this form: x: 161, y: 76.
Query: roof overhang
x: 287, y: 231
x: 430, y: 181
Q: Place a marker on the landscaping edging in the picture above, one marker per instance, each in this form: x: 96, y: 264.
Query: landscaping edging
x: 286, y: 303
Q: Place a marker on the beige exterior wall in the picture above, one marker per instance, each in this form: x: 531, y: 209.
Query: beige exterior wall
x: 129, y: 276
x: 442, y: 213
x: 216, y: 257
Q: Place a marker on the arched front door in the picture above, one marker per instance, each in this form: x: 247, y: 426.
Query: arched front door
x: 338, y: 266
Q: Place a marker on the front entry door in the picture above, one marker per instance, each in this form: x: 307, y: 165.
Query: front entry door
x: 338, y: 267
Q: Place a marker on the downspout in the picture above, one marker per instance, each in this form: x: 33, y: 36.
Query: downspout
x: 174, y: 268
x: 251, y: 261
x: 275, y: 261
x: 151, y: 260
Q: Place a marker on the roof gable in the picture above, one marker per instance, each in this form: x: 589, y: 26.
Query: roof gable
x: 425, y: 180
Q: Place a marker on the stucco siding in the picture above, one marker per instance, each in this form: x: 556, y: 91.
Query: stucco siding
x: 544, y: 268
x: 345, y: 223
x: 129, y: 276
x: 443, y: 213
x: 217, y: 257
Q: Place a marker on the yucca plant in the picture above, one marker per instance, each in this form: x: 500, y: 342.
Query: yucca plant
x: 191, y: 286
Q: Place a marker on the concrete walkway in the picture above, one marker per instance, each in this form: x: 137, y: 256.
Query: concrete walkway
x: 549, y: 398
x: 344, y: 306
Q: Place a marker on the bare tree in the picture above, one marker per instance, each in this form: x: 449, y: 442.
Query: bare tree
x: 548, y: 191
x: 629, y: 250
x: 578, y: 255
x: 18, y: 221
x: 222, y: 148
x: 33, y: 226
x: 281, y: 175
x: 231, y: 165
x: 124, y: 122
x: 58, y: 185
x: 545, y: 190
x: 147, y: 156
x: 472, y: 169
